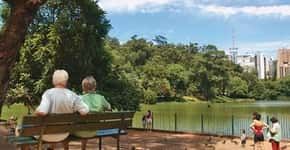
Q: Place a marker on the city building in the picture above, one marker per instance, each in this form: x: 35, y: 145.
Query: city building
x: 260, y: 65
x: 264, y: 67
x: 233, y: 56
x: 283, y: 63
x: 270, y: 68
x: 246, y: 61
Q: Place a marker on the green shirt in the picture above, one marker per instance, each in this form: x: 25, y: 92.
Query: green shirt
x: 96, y: 102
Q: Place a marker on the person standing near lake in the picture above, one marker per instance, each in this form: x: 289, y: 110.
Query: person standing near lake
x: 144, y: 121
x: 257, y: 128
x: 149, y: 120
x: 274, y: 134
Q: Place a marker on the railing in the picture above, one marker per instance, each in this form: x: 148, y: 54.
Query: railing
x: 230, y: 125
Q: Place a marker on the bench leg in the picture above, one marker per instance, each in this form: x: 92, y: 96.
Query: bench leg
x: 39, y: 146
x: 65, y: 145
x: 24, y: 147
x: 100, y: 143
x: 84, y: 144
x: 118, y: 142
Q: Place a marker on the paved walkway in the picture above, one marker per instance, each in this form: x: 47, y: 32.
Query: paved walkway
x: 142, y: 140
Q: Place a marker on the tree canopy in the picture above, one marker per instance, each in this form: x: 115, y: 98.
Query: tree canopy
x: 68, y: 34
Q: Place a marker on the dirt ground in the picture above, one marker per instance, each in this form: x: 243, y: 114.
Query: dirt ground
x: 142, y: 140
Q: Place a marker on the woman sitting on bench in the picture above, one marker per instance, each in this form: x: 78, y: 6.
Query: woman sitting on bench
x: 96, y: 103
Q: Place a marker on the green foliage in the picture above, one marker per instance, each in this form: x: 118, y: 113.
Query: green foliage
x: 150, y: 96
x: 162, y: 71
x: 272, y: 90
x: 258, y: 91
x: 32, y: 74
x: 237, y: 88
x: 172, y: 71
x: 284, y: 86
x: 69, y: 34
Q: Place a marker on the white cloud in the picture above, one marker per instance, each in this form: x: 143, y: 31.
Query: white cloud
x: 134, y: 5
x: 214, y: 7
x: 280, y: 10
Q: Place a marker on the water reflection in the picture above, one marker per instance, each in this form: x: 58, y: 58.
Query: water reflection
x: 219, y: 118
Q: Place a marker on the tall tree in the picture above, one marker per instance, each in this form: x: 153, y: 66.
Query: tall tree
x: 21, y: 15
x: 65, y: 34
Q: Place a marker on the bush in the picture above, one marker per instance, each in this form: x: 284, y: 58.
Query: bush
x: 150, y: 97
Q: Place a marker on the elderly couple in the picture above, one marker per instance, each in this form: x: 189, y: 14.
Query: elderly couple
x: 62, y: 100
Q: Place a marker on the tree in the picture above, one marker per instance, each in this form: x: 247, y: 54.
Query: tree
x: 206, y: 83
x: 258, y: 91
x: 21, y: 15
x: 31, y: 75
x: 160, y: 40
x: 284, y: 86
x: 237, y: 88
x: 178, y: 78
x: 72, y: 39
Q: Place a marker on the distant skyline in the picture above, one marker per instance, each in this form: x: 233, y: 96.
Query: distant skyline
x: 259, y: 25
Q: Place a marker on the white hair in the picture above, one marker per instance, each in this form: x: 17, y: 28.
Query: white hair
x: 59, y: 77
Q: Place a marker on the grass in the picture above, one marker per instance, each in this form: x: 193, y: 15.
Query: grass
x: 224, y: 99
x: 17, y: 110
x: 191, y: 99
x: 218, y: 99
x: 283, y: 98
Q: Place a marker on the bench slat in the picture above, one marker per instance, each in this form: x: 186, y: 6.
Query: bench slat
x: 21, y: 140
x: 67, y: 118
x: 51, y: 129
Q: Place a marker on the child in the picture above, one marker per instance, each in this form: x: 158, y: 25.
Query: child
x: 144, y: 121
x: 243, y: 137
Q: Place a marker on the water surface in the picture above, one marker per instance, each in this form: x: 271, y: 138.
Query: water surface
x: 216, y: 118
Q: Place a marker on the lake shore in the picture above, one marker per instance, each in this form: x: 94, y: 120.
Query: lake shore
x: 218, y: 99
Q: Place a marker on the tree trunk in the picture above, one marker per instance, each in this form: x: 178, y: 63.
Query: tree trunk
x: 21, y: 15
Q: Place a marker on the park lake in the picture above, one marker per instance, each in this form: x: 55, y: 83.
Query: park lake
x: 214, y: 118
x: 198, y: 117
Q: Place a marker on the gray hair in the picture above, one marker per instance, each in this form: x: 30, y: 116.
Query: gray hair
x: 59, y: 77
x: 89, y: 84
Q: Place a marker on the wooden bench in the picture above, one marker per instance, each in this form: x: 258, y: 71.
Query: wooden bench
x: 105, y: 124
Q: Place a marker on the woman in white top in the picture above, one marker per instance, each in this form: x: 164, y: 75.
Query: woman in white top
x: 274, y: 134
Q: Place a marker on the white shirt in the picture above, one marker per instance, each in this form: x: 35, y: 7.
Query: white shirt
x: 60, y: 100
x: 243, y: 136
x: 277, y: 130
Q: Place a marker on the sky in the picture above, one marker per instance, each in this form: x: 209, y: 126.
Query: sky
x: 257, y: 25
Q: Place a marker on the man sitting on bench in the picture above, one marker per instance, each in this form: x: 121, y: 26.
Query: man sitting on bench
x: 59, y: 100
x: 95, y: 102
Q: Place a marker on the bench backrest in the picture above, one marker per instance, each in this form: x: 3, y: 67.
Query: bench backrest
x: 60, y: 123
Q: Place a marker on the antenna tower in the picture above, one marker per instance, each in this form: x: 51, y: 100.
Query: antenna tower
x: 234, y: 49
